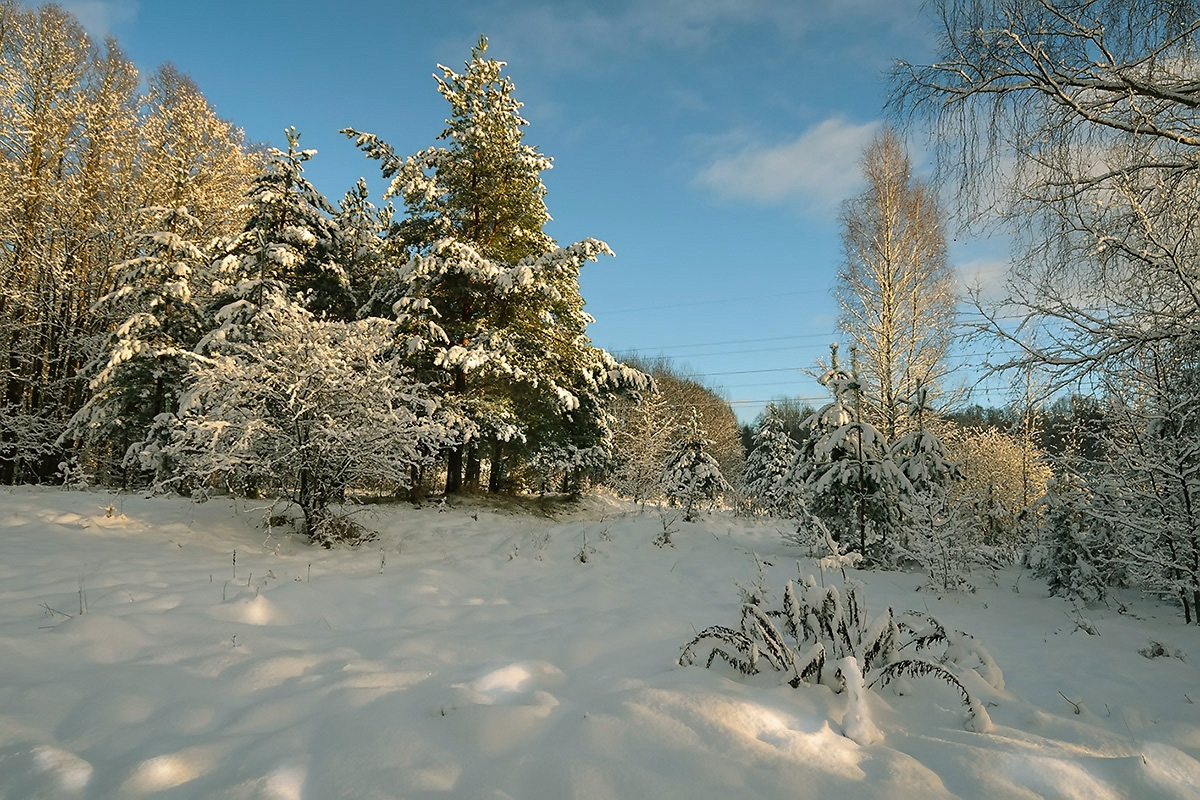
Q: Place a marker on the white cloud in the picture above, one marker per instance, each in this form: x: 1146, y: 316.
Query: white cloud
x: 816, y: 171
x: 100, y: 17
x: 987, y: 276
x: 578, y: 34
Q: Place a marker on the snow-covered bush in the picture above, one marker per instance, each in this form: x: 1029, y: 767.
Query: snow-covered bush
x: 310, y: 407
x: 1076, y: 550
x: 816, y: 625
x: 640, y: 446
x: 1146, y: 486
x: 1003, y: 478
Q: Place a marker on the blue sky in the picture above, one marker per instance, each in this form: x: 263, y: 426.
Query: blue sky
x: 709, y: 142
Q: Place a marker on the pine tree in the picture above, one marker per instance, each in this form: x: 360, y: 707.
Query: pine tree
x: 768, y: 467
x: 690, y: 473
x: 489, y: 307
x: 845, y: 465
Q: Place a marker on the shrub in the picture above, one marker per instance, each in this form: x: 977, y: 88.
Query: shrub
x: 817, y: 624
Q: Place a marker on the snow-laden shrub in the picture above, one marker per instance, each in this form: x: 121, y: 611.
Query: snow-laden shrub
x: 816, y: 625
x: 1003, y: 478
x: 308, y: 407
x: 1076, y: 551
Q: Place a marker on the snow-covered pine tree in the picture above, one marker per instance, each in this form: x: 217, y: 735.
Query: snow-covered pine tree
x: 287, y: 245
x: 845, y: 465
x: 933, y: 532
x: 690, y: 474
x: 768, y: 468
x: 1077, y: 550
x: 138, y: 376
x: 489, y: 307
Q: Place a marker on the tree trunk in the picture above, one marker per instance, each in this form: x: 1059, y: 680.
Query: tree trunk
x: 454, y: 459
x: 416, y: 489
x: 496, y: 475
x: 473, y: 468
x: 454, y: 470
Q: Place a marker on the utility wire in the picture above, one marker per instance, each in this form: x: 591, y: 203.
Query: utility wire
x: 722, y: 301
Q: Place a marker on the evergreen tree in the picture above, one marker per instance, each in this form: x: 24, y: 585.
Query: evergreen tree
x: 489, y: 307
x: 359, y: 246
x: 769, y: 465
x: 845, y: 465
x: 932, y: 532
x: 137, y: 377
x: 690, y: 473
x: 287, y: 245
x: 1148, y: 486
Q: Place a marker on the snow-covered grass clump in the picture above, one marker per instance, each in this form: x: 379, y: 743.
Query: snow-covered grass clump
x: 469, y: 653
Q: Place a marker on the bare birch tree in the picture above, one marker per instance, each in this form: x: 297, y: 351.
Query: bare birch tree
x: 895, y: 287
x: 80, y: 153
x: 67, y: 139
x: 1078, y: 121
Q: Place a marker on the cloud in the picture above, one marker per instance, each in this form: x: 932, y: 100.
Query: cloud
x: 100, y: 17
x: 581, y: 34
x: 986, y: 276
x: 816, y: 171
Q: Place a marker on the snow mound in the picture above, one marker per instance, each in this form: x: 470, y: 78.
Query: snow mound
x: 249, y: 608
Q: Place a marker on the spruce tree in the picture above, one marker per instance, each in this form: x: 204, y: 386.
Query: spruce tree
x: 934, y: 530
x: 137, y: 377
x: 850, y: 480
x: 690, y: 474
x: 287, y: 245
x: 768, y: 466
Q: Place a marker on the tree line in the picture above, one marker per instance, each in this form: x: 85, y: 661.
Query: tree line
x: 182, y: 310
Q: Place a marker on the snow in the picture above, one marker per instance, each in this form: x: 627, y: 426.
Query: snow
x: 469, y: 653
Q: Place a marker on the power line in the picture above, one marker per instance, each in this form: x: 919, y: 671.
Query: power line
x: 722, y: 301
x: 742, y: 341
x: 743, y: 372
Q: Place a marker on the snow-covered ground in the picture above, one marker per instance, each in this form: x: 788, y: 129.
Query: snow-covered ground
x: 471, y: 654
